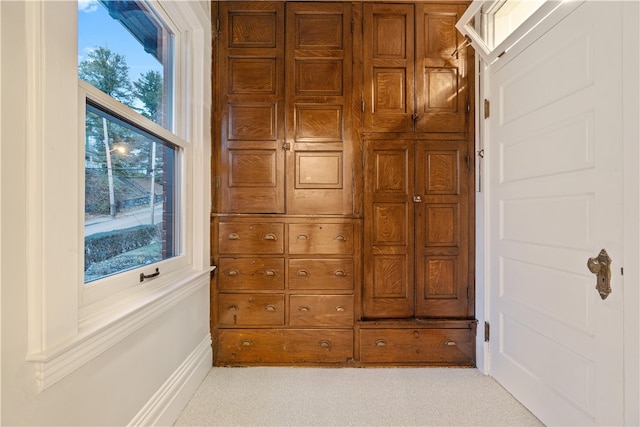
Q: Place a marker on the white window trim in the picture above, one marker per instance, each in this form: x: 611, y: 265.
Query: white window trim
x: 63, y: 334
x: 549, y: 14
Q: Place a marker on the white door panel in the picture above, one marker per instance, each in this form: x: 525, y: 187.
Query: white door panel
x: 555, y: 199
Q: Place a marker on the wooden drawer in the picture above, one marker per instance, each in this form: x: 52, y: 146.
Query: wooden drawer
x: 320, y: 239
x: 248, y: 238
x: 320, y: 274
x: 251, y: 273
x: 251, y: 309
x: 433, y: 346
x: 321, y: 310
x: 283, y: 346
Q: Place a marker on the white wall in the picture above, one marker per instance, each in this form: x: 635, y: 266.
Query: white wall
x: 144, y: 378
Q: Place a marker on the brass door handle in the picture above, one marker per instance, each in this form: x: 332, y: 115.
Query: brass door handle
x: 601, y: 267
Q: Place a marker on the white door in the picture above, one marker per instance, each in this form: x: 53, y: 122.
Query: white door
x: 555, y: 199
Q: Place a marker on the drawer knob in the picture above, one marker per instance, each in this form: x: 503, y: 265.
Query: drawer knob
x: 339, y: 273
x: 340, y: 309
x: 233, y: 272
x: 270, y: 307
x: 233, y: 236
x: 381, y: 343
x: 233, y: 308
x: 270, y: 236
x: 340, y: 237
x: 304, y: 309
x: 416, y: 334
x: 325, y: 344
x: 303, y: 272
x: 247, y: 343
x: 303, y: 237
x: 450, y: 342
x: 269, y: 272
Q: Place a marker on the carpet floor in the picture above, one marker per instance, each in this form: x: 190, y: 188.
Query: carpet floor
x: 265, y: 396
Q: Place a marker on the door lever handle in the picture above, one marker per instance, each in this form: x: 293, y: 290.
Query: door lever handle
x: 601, y: 267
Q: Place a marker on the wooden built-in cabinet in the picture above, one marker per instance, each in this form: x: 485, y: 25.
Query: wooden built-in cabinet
x: 342, y: 222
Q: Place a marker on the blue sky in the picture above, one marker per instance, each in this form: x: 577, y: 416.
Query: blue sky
x: 97, y: 29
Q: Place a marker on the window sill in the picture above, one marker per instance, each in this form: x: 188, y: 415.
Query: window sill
x: 100, y: 331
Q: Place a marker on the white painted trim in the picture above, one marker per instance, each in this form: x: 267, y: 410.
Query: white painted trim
x: 631, y: 176
x: 167, y: 403
x: 0, y: 210
x: 55, y: 363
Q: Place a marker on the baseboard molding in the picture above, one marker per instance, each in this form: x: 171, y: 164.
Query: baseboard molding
x: 167, y: 403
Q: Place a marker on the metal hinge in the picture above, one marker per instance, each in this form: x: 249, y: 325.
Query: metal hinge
x: 362, y: 104
x: 217, y: 24
x: 352, y: 25
x: 468, y: 161
x: 487, y: 108
x: 487, y: 331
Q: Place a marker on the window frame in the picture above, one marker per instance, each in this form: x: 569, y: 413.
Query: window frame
x: 63, y: 333
x: 105, y: 287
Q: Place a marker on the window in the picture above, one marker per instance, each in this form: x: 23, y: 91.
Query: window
x: 69, y: 321
x: 497, y: 25
x: 132, y: 158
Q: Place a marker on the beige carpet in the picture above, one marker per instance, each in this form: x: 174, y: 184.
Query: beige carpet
x: 352, y: 397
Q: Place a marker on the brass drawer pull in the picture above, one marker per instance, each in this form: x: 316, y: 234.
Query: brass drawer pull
x: 304, y: 309
x: 270, y: 236
x: 340, y: 309
x: 233, y: 272
x: 247, y: 343
x: 233, y: 236
x: 381, y: 343
x: 303, y: 272
x: 302, y: 237
x: 339, y: 273
x: 325, y: 344
x: 450, y: 342
x: 340, y: 237
x: 269, y: 272
x: 233, y: 308
x: 270, y: 307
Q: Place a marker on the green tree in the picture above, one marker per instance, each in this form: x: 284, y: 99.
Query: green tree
x: 148, y: 89
x: 107, y: 71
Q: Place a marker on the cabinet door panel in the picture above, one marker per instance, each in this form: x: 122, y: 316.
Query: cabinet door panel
x: 388, y: 64
x: 442, y: 83
x: 442, y: 228
x: 388, y: 237
x: 318, y: 97
x: 251, y: 169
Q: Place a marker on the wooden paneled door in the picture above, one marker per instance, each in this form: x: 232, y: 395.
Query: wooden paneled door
x: 415, y: 78
x: 417, y: 226
x: 252, y: 177
x: 318, y: 108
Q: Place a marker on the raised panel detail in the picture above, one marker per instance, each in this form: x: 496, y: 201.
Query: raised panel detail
x: 441, y: 86
x: 252, y: 29
x: 442, y: 172
x: 390, y: 172
x: 389, y: 40
x: 252, y: 168
x: 318, y: 31
x: 390, y: 276
x: 440, y: 277
x: 389, y: 86
x: 252, y: 122
x: 318, y: 170
x: 390, y: 224
x: 318, y: 77
x: 252, y: 76
x: 319, y: 123
x: 440, y: 33
x: 442, y: 225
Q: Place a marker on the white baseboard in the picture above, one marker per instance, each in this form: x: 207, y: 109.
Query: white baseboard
x: 167, y: 403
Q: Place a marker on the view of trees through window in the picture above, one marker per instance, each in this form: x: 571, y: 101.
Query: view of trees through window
x: 130, y: 173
